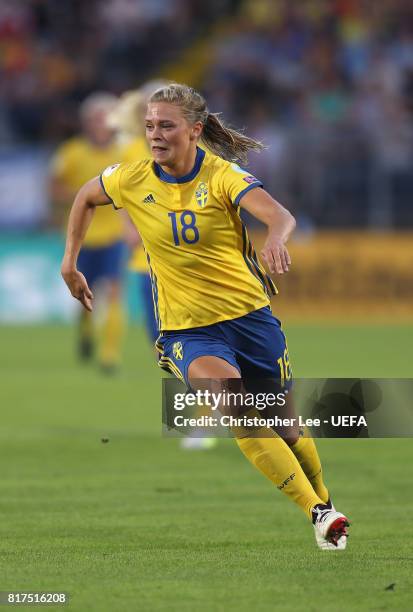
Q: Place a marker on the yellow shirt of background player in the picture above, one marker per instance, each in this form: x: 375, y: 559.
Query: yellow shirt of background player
x: 203, y: 266
x: 134, y: 151
x: 76, y: 162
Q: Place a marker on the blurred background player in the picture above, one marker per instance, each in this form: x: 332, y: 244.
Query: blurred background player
x: 127, y: 120
x: 101, y: 260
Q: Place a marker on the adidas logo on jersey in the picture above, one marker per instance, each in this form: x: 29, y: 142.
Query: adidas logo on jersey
x: 149, y: 199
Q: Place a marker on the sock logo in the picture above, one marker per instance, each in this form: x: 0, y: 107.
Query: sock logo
x: 286, y: 481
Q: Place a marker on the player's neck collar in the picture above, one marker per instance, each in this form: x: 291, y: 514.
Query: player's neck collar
x: 168, y: 178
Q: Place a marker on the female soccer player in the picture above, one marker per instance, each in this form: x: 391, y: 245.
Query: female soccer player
x: 211, y: 294
x: 101, y: 260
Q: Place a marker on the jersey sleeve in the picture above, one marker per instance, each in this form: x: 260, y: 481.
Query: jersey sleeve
x: 110, y: 182
x: 234, y: 182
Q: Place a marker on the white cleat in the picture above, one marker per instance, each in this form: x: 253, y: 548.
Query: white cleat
x: 198, y: 444
x: 330, y: 528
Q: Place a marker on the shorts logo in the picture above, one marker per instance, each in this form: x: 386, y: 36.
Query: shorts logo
x: 250, y: 179
x: 178, y: 351
x: 201, y: 195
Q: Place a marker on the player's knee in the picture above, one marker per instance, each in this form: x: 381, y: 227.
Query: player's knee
x: 114, y: 290
x: 290, y: 438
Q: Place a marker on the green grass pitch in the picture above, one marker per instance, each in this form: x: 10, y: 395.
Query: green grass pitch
x: 137, y: 524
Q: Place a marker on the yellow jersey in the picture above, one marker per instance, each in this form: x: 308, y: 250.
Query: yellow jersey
x: 134, y: 151
x: 76, y: 162
x: 203, y: 266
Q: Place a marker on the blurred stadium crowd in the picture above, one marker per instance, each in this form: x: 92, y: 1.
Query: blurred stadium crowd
x: 55, y: 52
x: 326, y: 84
x: 329, y: 85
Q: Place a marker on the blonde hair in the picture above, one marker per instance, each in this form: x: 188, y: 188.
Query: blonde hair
x: 220, y: 139
x: 127, y: 118
x: 100, y: 100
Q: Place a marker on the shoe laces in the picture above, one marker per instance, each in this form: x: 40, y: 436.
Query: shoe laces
x: 320, y: 512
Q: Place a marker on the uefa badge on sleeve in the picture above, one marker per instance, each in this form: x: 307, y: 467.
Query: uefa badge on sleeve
x: 110, y: 169
x: 201, y: 195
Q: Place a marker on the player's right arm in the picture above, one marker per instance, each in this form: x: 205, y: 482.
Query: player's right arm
x: 81, y: 214
x: 62, y: 178
x: 60, y: 192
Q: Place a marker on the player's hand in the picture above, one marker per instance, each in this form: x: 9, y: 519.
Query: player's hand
x: 276, y: 255
x: 78, y: 287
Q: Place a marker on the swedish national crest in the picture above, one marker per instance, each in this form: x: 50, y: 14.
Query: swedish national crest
x: 178, y: 350
x: 201, y: 195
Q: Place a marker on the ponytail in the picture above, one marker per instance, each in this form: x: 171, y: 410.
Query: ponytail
x: 227, y: 142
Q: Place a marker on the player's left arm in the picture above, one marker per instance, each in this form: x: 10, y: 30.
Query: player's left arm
x: 280, y: 223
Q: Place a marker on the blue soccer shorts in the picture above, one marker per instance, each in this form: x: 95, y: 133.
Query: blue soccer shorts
x: 254, y: 344
x: 102, y: 263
